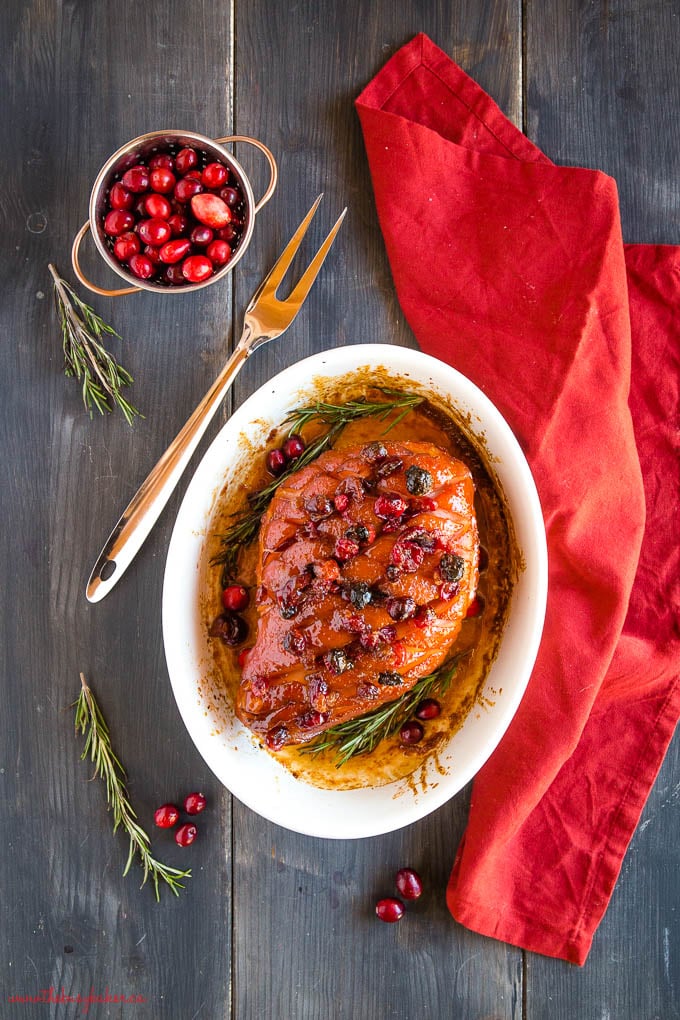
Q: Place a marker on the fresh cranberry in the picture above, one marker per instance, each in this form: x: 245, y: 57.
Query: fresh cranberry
x: 293, y: 448
x: 186, y: 188
x: 476, y: 607
x: 139, y: 206
x: 408, y: 883
x: 194, y: 803
x: 214, y: 175
x: 185, y: 160
x: 345, y: 549
x: 193, y: 175
x: 157, y: 206
x: 389, y: 507
x: 155, y: 231
x: 197, y: 268
x: 429, y: 708
x: 162, y: 180
x: 162, y: 159
x: 136, y: 179
x: 141, y: 266
x: 166, y: 816
x: 390, y: 909
x: 186, y: 834
x: 118, y: 221
x: 120, y: 197
x: 201, y: 236
x: 276, y: 462
x: 230, y: 233
x: 175, y: 251
x: 210, y: 210
x: 411, y: 732
x: 231, y: 196
x: 235, y: 598
x: 126, y: 245
x: 173, y: 275
x: 219, y: 252
x: 179, y: 225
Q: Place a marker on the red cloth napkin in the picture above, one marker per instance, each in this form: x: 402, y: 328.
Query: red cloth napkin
x: 513, y: 270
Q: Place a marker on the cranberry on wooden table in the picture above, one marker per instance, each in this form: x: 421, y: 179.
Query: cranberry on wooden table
x: 429, y: 708
x: 186, y: 834
x: 390, y: 909
x: 276, y: 462
x: 293, y: 448
x: 411, y: 732
x: 166, y: 816
x: 235, y: 597
x: 408, y: 883
x: 171, y: 195
x: 197, y: 268
x: 194, y: 803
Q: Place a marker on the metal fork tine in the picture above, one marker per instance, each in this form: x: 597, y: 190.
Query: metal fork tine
x: 276, y: 274
x: 301, y: 289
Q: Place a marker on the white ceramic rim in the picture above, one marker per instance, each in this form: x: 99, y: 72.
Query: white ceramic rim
x: 250, y: 773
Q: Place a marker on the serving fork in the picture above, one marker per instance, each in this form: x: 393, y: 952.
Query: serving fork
x: 266, y: 318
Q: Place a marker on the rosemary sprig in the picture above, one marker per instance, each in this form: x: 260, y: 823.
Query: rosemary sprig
x: 247, y: 521
x: 363, y: 734
x: 85, y: 356
x: 333, y: 414
x: 91, y: 723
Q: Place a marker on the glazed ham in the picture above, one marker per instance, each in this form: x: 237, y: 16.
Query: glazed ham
x: 368, y: 561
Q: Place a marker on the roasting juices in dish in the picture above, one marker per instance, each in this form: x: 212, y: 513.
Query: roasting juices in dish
x: 355, y: 626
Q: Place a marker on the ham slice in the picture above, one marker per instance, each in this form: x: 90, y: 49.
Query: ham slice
x: 368, y: 561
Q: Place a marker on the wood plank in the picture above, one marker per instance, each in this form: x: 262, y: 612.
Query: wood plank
x: 307, y: 943
x: 78, y: 81
x: 602, y: 88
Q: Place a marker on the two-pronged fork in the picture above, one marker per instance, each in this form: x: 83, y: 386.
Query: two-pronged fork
x: 266, y: 318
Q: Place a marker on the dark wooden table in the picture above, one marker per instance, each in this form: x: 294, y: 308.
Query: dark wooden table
x: 273, y: 925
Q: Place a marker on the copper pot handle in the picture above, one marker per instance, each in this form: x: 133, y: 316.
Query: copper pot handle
x: 81, y: 275
x: 273, y: 169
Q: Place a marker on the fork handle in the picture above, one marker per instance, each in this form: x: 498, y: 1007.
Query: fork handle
x: 146, y: 505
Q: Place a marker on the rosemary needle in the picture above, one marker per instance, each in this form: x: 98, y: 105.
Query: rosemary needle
x: 85, y: 356
x: 92, y: 725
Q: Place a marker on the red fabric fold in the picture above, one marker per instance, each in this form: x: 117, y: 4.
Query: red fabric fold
x: 514, y: 271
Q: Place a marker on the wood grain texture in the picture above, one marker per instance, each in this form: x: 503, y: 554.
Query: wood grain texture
x: 79, y: 80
